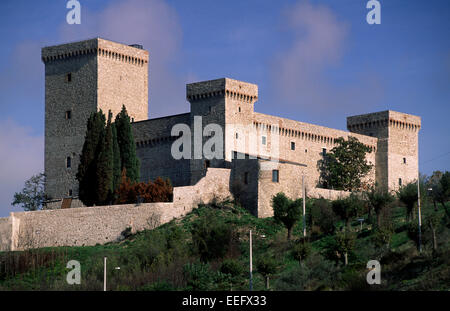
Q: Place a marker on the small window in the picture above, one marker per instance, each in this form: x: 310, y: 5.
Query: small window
x: 132, y: 120
x: 68, y: 115
x: 404, y: 160
x: 246, y: 178
x: 400, y: 182
x: 70, y: 192
x: 292, y: 145
x: 69, y: 77
x: 237, y: 136
x: 239, y: 109
x: 264, y: 140
x: 306, y: 150
x: 68, y: 162
x: 234, y: 154
x: 324, y: 151
x: 275, y: 176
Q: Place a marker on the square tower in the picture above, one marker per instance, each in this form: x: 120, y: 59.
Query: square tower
x: 228, y: 103
x: 81, y: 78
x: 398, y: 145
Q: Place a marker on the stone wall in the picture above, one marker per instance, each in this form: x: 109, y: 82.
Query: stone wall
x: 5, y: 233
x: 101, y: 224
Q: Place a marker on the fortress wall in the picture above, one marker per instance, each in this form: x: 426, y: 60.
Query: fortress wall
x: 327, y: 194
x: 310, y: 140
x: 102, y: 224
x: 154, y: 142
x: 5, y: 234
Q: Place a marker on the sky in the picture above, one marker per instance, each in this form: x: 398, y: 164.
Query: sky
x: 315, y: 61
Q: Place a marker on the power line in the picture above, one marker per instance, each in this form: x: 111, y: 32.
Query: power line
x: 438, y: 157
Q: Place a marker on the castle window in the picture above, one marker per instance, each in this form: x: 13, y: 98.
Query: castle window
x: 70, y: 192
x: 306, y: 150
x: 239, y: 109
x: 275, y: 176
x: 246, y: 178
x: 264, y: 140
x: 68, y: 115
x: 69, y: 77
x: 292, y: 145
x: 400, y: 182
x: 324, y: 151
x: 404, y: 160
x: 237, y: 136
x: 68, y: 162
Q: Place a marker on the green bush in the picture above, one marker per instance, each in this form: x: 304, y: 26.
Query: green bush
x: 301, y: 250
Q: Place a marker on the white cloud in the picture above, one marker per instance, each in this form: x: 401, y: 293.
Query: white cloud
x: 300, y: 72
x: 155, y: 25
x: 22, y: 155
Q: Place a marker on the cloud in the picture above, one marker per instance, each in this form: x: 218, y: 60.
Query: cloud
x: 301, y: 72
x: 22, y: 155
x: 155, y: 25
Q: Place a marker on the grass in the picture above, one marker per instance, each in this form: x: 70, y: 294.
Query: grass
x: 157, y: 259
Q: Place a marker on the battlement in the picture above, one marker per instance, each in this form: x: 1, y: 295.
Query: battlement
x: 230, y: 88
x: 131, y: 54
x: 386, y: 118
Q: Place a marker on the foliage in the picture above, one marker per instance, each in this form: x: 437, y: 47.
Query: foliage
x: 408, y: 196
x: 382, y: 237
x: 127, y: 145
x: 301, y: 250
x: 322, y: 215
x: 199, y: 276
x: 211, y: 237
x: 105, y: 167
x: 286, y: 211
x: 378, y: 199
x: 348, y: 208
x: 344, y: 167
x: 87, y: 168
x: 32, y: 196
x: 344, y: 244
x: 145, y: 192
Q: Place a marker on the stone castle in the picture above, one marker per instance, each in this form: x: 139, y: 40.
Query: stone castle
x: 264, y: 154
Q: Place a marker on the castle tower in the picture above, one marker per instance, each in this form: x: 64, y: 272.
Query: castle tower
x: 226, y: 102
x: 80, y: 78
x: 398, y: 145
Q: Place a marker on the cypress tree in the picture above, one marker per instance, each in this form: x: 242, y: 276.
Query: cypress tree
x: 117, y: 166
x: 86, y: 174
x: 105, y: 166
x: 129, y: 160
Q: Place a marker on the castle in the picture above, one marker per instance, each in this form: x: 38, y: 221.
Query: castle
x: 265, y: 154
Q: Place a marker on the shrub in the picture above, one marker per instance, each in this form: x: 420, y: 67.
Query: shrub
x: 212, y: 238
x: 301, y: 250
x: 199, y: 276
x: 322, y: 214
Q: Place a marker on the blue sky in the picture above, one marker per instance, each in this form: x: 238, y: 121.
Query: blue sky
x: 314, y: 61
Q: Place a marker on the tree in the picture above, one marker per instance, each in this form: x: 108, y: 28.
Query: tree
x: 86, y: 175
x: 378, y: 199
x: 408, y: 196
x: 348, y: 208
x: 344, y: 167
x: 117, y: 165
x: 286, y: 211
x: 441, y: 190
x: 266, y: 266
x: 32, y: 196
x: 105, y: 167
x: 345, y: 242
x: 127, y: 145
x: 322, y: 214
x: 301, y: 250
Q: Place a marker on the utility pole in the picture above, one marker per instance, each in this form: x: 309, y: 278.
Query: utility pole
x: 251, y: 263
x: 419, y: 212
x: 304, y: 205
x: 104, y: 274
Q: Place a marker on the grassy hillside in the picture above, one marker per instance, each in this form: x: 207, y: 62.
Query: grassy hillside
x: 209, y: 250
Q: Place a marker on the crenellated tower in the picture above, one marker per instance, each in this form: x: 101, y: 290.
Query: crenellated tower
x: 398, y: 145
x: 80, y: 78
x: 228, y: 103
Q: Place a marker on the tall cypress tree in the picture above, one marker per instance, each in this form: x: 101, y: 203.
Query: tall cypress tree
x: 117, y: 166
x: 105, y: 166
x: 127, y: 145
x: 87, y: 169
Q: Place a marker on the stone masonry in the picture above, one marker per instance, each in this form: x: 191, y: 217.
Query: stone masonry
x: 265, y: 154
